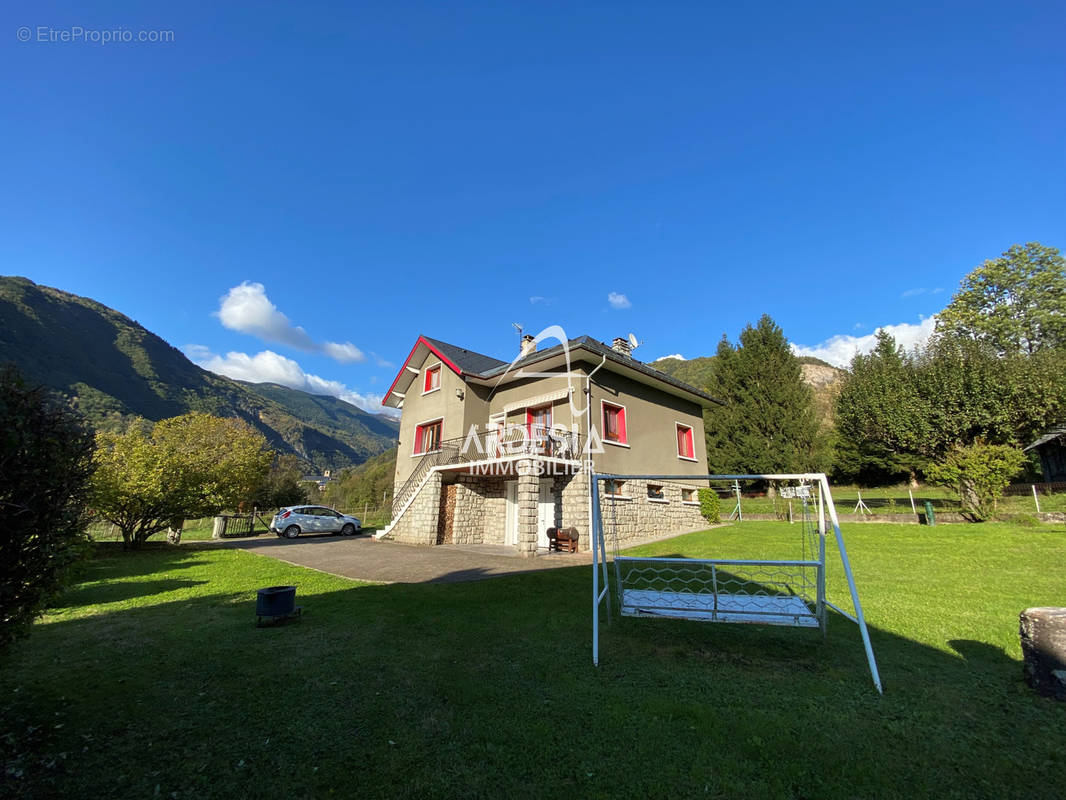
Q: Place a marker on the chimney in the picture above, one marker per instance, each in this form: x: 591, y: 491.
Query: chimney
x: 621, y: 345
x: 529, y: 345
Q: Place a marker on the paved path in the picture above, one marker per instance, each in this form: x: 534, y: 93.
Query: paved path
x: 365, y: 558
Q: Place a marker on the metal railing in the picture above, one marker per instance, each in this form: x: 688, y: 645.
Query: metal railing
x: 487, y: 445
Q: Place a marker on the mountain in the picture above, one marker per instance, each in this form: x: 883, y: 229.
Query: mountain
x: 114, y: 370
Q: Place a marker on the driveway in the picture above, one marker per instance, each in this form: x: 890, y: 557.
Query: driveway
x: 368, y: 559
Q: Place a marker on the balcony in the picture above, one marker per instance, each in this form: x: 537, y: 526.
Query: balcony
x: 491, y: 445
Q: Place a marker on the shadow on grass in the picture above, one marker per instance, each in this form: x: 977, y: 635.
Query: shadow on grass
x: 424, y: 690
x: 118, y: 591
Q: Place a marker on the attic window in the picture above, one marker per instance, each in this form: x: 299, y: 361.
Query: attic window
x: 432, y: 382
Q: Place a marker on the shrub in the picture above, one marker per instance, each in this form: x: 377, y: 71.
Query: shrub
x: 710, y: 507
x: 46, y: 453
x: 978, y: 474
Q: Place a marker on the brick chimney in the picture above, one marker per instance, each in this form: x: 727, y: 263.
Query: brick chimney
x: 621, y: 345
x: 529, y: 345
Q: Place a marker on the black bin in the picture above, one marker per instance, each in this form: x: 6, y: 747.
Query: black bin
x: 275, y: 601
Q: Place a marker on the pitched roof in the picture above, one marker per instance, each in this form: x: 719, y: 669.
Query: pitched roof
x: 600, y: 349
x: 479, y: 366
x: 1050, y: 436
x: 466, y: 360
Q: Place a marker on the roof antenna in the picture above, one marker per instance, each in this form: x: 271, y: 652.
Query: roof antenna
x: 518, y: 327
x: 633, y: 342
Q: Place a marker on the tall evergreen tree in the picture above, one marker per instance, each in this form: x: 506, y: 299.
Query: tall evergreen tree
x: 769, y: 423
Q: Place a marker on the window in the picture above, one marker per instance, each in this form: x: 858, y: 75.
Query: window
x: 685, y: 444
x: 655, y: 492
x: 689, y: 496
x: 427, y: 436
x: 614, y: 423
x: 614, y: 488
x: 432, y: 380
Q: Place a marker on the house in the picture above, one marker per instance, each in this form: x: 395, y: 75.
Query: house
x: 1052, y: 451
x: 497, y: 452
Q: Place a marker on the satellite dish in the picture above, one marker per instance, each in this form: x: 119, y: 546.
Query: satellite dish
x: 633, y: 341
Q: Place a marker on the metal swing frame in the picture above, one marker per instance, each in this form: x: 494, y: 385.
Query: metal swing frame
x: 716, y: 607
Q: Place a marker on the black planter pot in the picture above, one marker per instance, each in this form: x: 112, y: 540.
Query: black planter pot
x: 276, y: 601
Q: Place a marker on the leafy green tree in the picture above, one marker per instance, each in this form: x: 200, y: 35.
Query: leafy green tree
x: 978, y: 473
x: 882, y: 420
x: 189, y: 466
x: 769, y: 423
x: 1016, y: 303
x: 282, y: 485
x: 45, y: 463
x: 367, y: 484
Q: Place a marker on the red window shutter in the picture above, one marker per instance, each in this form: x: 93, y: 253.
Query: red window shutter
x: 684, y: 442
x: 614, y: 423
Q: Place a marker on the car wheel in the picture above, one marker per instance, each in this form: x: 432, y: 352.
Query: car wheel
x: 292, y: 532
x: 348, y: 529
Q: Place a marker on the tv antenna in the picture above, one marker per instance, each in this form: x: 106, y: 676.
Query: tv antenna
x: 634, y: 343
x: 518, y: 327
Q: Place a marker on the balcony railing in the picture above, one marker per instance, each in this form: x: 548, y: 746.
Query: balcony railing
x: 517, y: 440
x: 488, y: 445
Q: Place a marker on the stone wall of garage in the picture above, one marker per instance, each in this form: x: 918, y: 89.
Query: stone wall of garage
x: 480, y: 510
x: 418, y: 524
x: 635, y: 517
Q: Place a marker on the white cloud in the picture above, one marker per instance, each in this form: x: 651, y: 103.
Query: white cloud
x: 917, y: 292
x: 678, y: 356
x: 840, y: 349
x: 247, y: 309
x: 618, y: 301
x: 270, y: 367
x: 346, y: 353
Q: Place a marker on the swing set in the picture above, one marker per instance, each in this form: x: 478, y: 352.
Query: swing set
x: 790, y: 592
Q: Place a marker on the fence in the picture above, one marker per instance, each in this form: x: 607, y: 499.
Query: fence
x: 1046, y: 489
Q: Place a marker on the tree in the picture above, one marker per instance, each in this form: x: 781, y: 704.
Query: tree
x: 1016, y: 302
x: 899, y: 412
x: 46, y: 454
x: 281, y: 486
x: 769, y: 423
x: 881, y: 418
x: 189, y: 466
x: 978, y: 473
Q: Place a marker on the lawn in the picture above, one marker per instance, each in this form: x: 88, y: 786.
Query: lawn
x: 150, y: 680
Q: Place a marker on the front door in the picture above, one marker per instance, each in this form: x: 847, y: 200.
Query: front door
x: 538, y: 423
x: 545, y: 512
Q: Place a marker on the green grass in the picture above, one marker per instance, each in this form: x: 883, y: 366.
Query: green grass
x: 150, y: 679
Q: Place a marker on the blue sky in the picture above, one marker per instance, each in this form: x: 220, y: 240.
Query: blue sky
x: 365, y: 173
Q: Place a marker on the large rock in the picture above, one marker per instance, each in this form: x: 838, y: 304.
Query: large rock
x: 1043, y: 635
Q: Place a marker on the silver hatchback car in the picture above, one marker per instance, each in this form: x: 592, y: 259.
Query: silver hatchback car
x: 292, y: 521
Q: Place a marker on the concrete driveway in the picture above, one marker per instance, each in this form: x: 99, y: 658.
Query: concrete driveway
x: 365, y: 558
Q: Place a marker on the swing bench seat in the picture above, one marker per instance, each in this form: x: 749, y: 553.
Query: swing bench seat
x: 784, y: 610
